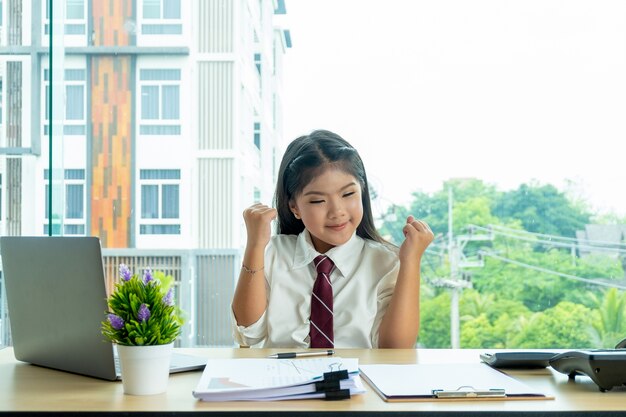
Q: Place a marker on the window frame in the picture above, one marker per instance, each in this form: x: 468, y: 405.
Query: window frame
x: 160, y: 221
x: 161, y: 25
x: 159, y: 126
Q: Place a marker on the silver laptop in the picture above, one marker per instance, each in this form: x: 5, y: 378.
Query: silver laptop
x: 55, y: 291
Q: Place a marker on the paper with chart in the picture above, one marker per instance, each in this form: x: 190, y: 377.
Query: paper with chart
x: 272, y: 379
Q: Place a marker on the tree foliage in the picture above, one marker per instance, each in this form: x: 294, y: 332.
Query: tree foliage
x: 563, y: 326
x: 517, y: 300
x: 542, y: 209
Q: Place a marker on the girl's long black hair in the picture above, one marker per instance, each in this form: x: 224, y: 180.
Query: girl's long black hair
x: 304, y: 158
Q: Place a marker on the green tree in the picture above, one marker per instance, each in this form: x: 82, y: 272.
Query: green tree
x: 478, y: 332
x: 542, y: 209
x: 435, y: 322
x: 609, y: 326
x: 537, y: 289
x: 488, y: 322
x: 471, y: 205
x: 564, y: 326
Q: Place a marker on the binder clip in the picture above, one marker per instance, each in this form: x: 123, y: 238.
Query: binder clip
x: 467, y: 391
x: 331, y: 385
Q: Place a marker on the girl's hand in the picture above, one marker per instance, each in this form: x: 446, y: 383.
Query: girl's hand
x: 417, y: 237
x: 258, y: 218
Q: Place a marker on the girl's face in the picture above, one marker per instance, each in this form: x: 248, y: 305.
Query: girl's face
x: 330, y: 207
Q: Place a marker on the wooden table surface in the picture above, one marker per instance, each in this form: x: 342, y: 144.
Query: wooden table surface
x: 28, y: 388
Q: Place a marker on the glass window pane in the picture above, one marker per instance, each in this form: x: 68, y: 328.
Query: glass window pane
x: 159, y: 174
x: 159, y: 74
x: 159, y: 229
x: 75, y: 75
x: 75, y: 9
x: 46, y: 103
x: 74, y: 229
x: 149, y: 102
x: 171, y: 9
x: 75, y: 102
x: 171, y: 102
x: 74, y: 201
x: 47, y: 201
x: 170, y: 202
x: 74, y: 174
x: 151, y: 9
x: 149, y: 201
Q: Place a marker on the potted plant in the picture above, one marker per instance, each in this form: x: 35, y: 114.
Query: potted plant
x: 144, y: 323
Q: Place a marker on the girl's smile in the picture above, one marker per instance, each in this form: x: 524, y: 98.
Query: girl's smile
x: 338, y: 227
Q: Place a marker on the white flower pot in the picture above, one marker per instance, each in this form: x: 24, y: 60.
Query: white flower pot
x: 145, y: 369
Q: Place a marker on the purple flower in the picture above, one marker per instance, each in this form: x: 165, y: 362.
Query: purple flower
x: 125, y: 272
x: 144, y: 313
x: 147, y: 276
x: 116, y: 321
x: 168, y: 298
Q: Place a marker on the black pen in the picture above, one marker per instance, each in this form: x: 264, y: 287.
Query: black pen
x: 288, y: 355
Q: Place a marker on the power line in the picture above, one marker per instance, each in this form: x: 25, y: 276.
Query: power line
x: 549, y: 271
x: 554, y: 242
x: 558, y: 238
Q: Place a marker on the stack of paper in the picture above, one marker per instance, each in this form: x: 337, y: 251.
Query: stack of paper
x: 279, y: 379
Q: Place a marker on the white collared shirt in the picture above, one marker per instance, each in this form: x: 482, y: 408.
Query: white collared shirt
x: 363, y: 280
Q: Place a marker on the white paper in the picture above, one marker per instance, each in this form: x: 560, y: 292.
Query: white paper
x: 271, y: 379
x: 419, y: 380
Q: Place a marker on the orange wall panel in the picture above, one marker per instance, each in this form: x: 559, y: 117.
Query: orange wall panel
x: 111, y: 104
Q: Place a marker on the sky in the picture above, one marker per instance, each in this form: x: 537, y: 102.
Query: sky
x: 505, y: 91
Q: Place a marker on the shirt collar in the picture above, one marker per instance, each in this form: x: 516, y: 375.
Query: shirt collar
x: 345, y: 257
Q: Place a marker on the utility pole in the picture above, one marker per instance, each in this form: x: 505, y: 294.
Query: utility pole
x: 458, y: 261
x: 454, y: 272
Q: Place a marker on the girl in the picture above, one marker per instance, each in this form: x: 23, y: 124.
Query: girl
x: 367, y: 295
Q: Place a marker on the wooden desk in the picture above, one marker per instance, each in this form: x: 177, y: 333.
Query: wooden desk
x: 28, y: 388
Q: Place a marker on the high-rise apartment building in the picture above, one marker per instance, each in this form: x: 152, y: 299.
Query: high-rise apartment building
x: 166, y: 124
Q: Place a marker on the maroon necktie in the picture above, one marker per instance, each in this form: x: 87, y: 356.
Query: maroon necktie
x: 321, y: 332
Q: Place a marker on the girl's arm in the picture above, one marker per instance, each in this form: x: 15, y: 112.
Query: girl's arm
x: 400, y: 325
x: 250, y: 299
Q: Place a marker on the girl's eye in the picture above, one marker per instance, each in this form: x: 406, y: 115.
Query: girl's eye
x: 317, y: 201
x: 349, y: 194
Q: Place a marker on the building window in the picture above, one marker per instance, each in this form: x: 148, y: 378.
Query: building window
x: 257, y: 62
x: 160, y: 201
x: 75, y: 19
x: 160, y: 101
x: 74, y: 213
x: 161, y: 17
x: 75, y: 87
x: 257, y: 134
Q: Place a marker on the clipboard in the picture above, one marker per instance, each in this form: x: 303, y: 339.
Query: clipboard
x: 446, y: 382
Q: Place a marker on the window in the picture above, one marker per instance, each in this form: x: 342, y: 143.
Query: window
x: 75, y: 121
x: 75, y: 20
x: 160, y: 102
x: 75, y: 17
x: 257, y: 62
x: 257, y: 134
x: 161, y: 17
x: 73, y: 222
x: 160, y: 202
